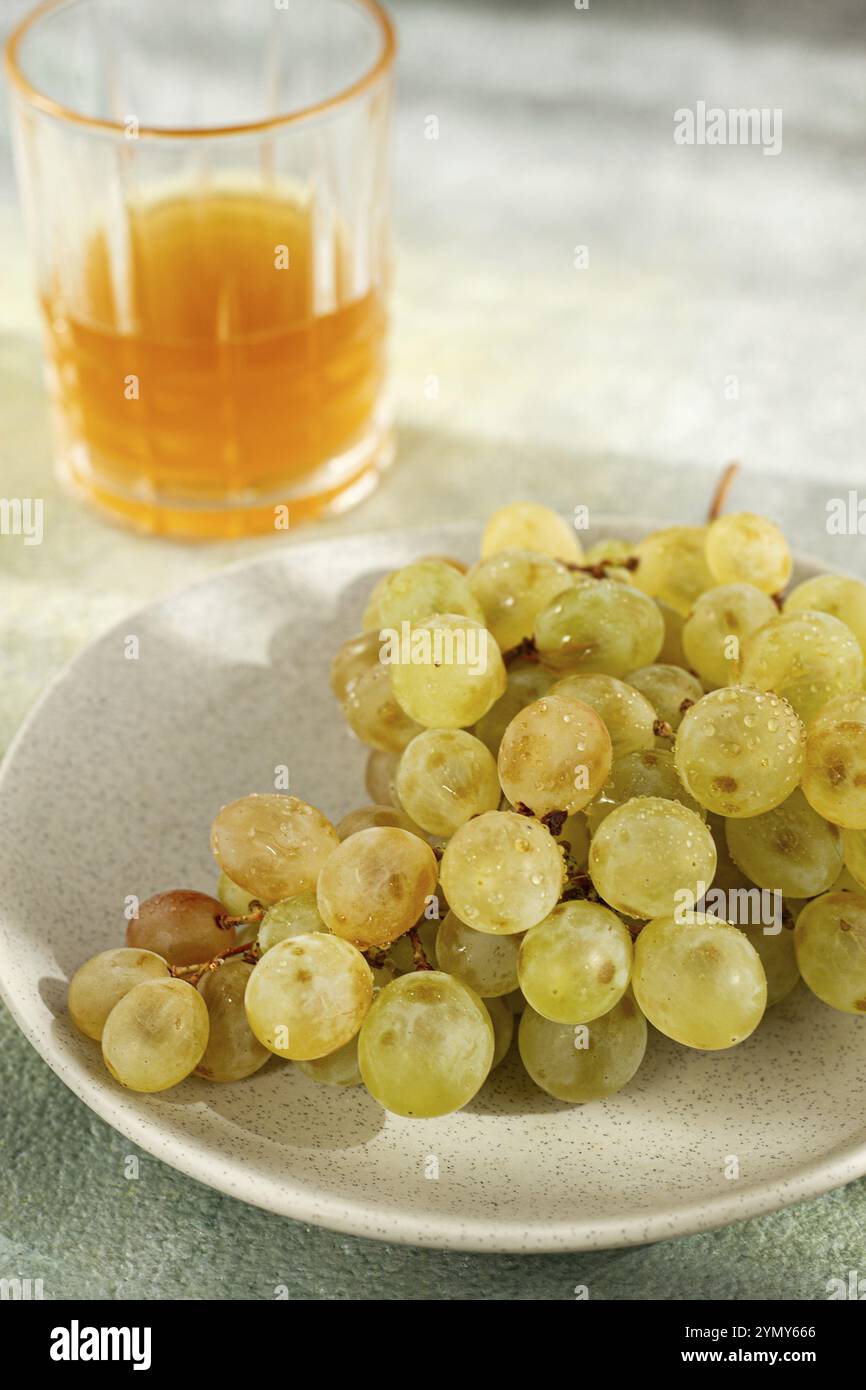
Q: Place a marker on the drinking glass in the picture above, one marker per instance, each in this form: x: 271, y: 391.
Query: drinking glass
x: 206, y: 187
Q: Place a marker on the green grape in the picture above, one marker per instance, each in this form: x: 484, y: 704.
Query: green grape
x: 296, y: 916
x: 699, y: 980
x: 155, y: 1035
x: 487, y: 963
x: 575, y: 965
x: 807, y: 658
x: 502, y: 872
x: 233, y: 1051
x: 181, y: 926
x: 369, y: 817
x: 672, y: 652
x: 743, y: 547
x: 718, y: 625
x: 354, y: 659
x: 778, y: 958
x: 308, y: 995
x: 530, y: 526
x: 627, y: 715
x: 846, y: 883
x: 650, y: 772
x: 554, y: 756
x: 449, y: 674
x: 236, y: 901
x: 401, y: 953
x: 667, y: 689
x: 459, y: 565
x: 611, y: 553
x: 272, y: 845
x: 648, y: 854
x: 512, y: 587
x: 789, y: 848
x: 601, y: 626
x: 672, y: 567
x: 837, y: 594
x: 854, y: 853
x: 426, y: 1046
x: 830, y: 942
x: 338, y: 1068
x: 376, y: 885
x: 740, y: 752
x: 374, y: 713
x: 103, y: 980
x: 503, y: 1028
x: 380, y: 777
x: 419, y: 590
x: 834, y: 774
x: 446, y: 777
x: 575, y: 834
x: 525, y: 684
x: 370, y: 620
x: 587, y: 1061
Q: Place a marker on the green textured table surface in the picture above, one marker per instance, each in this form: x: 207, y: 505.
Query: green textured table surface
x: 603, y: 388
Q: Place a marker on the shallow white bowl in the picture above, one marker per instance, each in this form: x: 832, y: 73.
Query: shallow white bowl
x: 109, y: 790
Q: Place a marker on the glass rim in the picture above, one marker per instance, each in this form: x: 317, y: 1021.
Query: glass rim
x: 23, y: 88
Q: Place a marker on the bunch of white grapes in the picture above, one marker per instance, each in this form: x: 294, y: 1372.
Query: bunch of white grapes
x: 567, y: 750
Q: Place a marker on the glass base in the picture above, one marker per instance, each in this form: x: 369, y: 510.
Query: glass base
x: 339, y: 485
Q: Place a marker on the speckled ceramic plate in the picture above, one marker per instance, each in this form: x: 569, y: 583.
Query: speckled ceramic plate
x: 110, y: 789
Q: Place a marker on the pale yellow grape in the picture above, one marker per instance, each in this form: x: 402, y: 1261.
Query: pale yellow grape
x: 717, y: 627
x: 808, y: 658
x: 576, y: 964
x: 380, y: 775
x: 575, y: 834
x: 830, y: 941
x: 417, y: 591
x: 450, y: 675
x: 834, y: 774
x: 584, y: 1062
x: 297, y: 916
x: 426, y: 1046
x: 666, y: 689
x: 790, y: 848
x: 524, y: 685
x: 340, y: 1068
x: 512, y: 587
x: 375, y: 886
x: 837, y: 594
x: 672, y: 651
x: 530, y: 526
x: 308, y: 995
x: 236, y: 901
x: 103, y: 980
x: 649, y: 772
x: 445, y: 777
x: 370, y: 618
x: 502, y: 1019
x: 778, y: 957
x: 673, y: 568
x: 374, y: 713
x: 854, y: 852
x: 368, y: 817
x: 155, y: 1035
x: 554, y: 756
x: 600, y: 626
x: 609, y: 552
x: 627, y: 715
x: 502, y: 872
x: 740, y: 752
x: 699, y: 980
x: 459, y: 565
x: 353, y: 659
x: 273, y: 845
x: 744, y: 547
x: 488, y: 964
x: 647, y: 854
x: 233, y: 1051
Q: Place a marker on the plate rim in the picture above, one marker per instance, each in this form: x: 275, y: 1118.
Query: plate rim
x: 357, y: 1217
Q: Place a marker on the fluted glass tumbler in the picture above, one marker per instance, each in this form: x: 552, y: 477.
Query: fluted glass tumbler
x: 206, y: 187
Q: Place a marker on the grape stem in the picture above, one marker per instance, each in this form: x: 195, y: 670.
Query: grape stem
x: 600, y: 569
x: 723, y: 487
x: 662, y: 729
x: 258, y: 912
x: 421, y: 961
x: 193, y: 973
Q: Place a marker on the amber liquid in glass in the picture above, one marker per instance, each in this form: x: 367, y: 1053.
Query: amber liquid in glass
x: 211, y: 368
